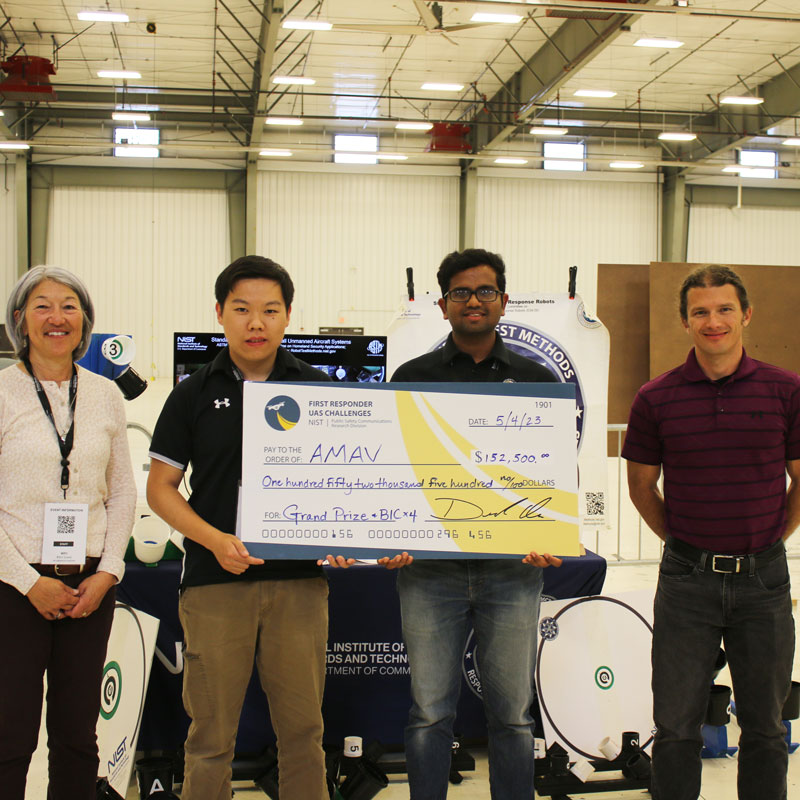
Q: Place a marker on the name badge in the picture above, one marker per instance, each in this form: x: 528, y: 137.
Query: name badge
x: 65, y: 529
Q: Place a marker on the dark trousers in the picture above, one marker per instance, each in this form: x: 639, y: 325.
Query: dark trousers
x: 751, y: 614
x: 72, y: 652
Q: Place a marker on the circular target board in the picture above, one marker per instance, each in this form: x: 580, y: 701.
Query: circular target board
x: 593, y: 673
x: 122, y: 693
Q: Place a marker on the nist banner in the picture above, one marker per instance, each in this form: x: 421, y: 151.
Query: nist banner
x: 554, y: 331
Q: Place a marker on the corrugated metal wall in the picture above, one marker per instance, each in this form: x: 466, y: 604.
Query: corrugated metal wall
x: 347, y: 238
x: 8, y: 230
x: 149, y: 258
x: 744, y: 235
x: 542, y: 227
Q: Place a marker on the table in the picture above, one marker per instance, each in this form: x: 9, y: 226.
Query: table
x: 367, y: 683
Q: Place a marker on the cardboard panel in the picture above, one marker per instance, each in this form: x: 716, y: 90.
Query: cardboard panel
x: 623, y: 305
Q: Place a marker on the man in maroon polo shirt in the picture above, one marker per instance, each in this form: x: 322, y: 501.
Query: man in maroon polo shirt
x: 725, y: 429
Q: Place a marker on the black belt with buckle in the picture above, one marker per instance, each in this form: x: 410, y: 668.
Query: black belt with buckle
x: 62, y: 570
x: 727, y: 563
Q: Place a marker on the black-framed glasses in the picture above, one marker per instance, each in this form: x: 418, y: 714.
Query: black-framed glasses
x: 486, y: 294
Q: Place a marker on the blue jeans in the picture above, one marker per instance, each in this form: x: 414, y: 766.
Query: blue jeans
x: 751, y: 614
x: 440, y: 601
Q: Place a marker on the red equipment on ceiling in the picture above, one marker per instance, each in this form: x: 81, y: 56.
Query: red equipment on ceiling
x: 28, y: 79
x: 448, y: 137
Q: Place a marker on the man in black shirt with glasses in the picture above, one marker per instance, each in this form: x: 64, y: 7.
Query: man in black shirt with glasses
x: 440, y: 599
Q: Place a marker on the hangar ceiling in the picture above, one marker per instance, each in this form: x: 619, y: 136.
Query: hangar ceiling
x: 207, y: 73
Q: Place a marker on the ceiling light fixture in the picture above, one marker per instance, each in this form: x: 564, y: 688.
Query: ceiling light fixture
x: 290, y: 121
x: 755, y: 172
x: 677, y: 136
x: 103, y: 16
x: 392, y: 157
x: 549, y: 130
x: 503, y: 19
x: 122, y: 74
x: 740, y: 170
x: 602, y: 93
x: 511, y: 161
x: 130, y: 116
x: 746, y: 100
x: 306, y: 25
x: 147, y: 108
x: 442, y: 87
x: 626, y: 165
x: 792, y: 142
x: 14, y: 146
x: 414, y: 126
x: 655, y: 42
x: 275, y: 153
x: 293, y: 80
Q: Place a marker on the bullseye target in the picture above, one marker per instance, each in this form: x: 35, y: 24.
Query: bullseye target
x: 593, y: 671
x: 122, y: 691
x: 111, y: 690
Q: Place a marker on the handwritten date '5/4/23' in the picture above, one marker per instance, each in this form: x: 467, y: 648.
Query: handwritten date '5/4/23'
x: 512, y: 419
x: 489, y: 457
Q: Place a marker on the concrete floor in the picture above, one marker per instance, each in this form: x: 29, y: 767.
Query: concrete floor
x: 719, y: 775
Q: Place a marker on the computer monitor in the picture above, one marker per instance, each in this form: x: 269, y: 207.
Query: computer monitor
x: 354, y: 359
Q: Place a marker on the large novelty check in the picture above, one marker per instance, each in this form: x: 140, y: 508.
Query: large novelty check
x: 440, y: 470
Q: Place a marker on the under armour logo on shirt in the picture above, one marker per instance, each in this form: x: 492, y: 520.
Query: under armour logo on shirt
x: 219, y: 403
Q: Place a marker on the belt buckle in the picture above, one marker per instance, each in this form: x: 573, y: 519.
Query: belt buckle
x: 737, y: 564
x: 71, y: 569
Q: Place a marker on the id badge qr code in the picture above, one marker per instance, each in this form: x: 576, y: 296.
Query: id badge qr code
x: 65, y: 526
x: 65, y: 532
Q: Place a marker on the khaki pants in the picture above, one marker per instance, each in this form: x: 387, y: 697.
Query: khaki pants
x: 283, y: 625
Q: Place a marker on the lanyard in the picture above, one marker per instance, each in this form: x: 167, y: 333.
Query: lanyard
x: 64, y: 442
x: 239, y: 377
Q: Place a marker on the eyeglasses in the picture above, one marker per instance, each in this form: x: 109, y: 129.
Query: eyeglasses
x: 486, y: 294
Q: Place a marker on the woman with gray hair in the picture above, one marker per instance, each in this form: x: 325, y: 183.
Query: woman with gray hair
x: 67, y: 498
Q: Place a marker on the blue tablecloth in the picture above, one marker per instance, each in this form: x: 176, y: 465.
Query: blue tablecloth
x: 367, y: 685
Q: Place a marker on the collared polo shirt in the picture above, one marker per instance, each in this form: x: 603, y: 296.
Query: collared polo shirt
x: 723, y: 446
x: 201, y: 425
x: 449, y: 364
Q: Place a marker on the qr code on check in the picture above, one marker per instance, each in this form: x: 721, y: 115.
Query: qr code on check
x: 65, y: 526
x: 595, y: 503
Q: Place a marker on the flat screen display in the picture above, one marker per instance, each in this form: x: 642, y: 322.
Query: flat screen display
x: 345, y: 358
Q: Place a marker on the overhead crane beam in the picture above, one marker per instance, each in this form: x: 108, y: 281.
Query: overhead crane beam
x: 571, y: 47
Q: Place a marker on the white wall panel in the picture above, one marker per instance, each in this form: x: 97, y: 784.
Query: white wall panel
x: 542, y: 227
x: 8, y: 229
x: 744, y: 235
x: 347, y: 238
x: 149, y: 258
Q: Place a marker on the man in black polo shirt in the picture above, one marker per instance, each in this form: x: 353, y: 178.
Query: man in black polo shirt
x: 440, y: 599
x: 235, y: 608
